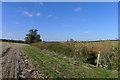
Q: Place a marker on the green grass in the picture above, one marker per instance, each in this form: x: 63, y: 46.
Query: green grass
x: 56, y: 47
x: 55, y: 66
x: 86, y: 52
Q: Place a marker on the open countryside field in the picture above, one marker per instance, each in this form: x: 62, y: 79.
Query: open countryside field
x: 70, y: 60
x: 24, y: 61
x: 15, y: 63
x: 59, y: 40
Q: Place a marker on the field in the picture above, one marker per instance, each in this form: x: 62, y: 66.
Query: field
x: 59, y: 60
x: 75, y: 59
x: 15, y: 63
x: 85, y: 51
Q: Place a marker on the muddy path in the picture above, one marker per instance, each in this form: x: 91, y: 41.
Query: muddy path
x: 15, y: 63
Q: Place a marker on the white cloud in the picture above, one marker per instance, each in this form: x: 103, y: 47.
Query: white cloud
x: 41, y: 3
x: 85, y: 32
x: 77, y: 9
x: 27, y: 13
x: 50, y: 15
x: 38, y: 14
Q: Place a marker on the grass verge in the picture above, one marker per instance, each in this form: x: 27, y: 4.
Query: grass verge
x: 56, y: 66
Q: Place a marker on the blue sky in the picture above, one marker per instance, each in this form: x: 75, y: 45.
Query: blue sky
x: 59, y: 21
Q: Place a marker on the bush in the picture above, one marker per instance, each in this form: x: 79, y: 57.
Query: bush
x: 91, y: 57
x: 32, y: 36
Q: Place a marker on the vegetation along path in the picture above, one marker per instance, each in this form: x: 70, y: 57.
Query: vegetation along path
x: 24, y: 61
x: 58, y: 66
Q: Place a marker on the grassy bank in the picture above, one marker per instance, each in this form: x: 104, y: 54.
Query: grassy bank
x: 85, y: 51
x: 55, y: 66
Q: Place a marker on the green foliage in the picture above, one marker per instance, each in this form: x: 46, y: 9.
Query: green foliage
x: 12, y: 41
x: 53, y: 65
x: 32, y: 37
x: 71, y: 39
x: 84, y: 51
x: 59, y: 48
x: 115, y: 58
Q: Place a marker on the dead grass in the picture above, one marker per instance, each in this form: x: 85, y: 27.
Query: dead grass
x: 82, y: 51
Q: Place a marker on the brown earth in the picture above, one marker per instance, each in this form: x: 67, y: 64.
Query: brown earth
x: 15, y: 63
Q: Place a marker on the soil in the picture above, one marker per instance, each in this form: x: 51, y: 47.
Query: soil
x: 14, y: 63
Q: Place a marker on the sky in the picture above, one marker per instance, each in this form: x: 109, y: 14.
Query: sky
x: 60, y: 21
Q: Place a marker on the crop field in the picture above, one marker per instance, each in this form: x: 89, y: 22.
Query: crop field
x: 15, y: 63
x: 58, y: 60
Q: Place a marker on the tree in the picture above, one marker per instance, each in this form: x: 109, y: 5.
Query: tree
x: 71, y: 39
x: 32, y: 36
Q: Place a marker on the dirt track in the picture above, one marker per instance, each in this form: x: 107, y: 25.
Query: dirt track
x: 15, y: 63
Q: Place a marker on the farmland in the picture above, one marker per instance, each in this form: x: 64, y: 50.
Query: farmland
x: 74, y: 59
x: 85, y: 51
x: 15, y: 63
x: 57, y: 60
x: 59, y: 40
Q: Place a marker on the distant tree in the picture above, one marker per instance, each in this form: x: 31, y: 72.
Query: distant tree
x: 32, y: 36
x: 71, y: 39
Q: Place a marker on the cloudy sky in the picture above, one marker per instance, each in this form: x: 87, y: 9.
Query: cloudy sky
x: 59, y: 21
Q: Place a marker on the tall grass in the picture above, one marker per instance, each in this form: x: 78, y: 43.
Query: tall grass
x: 82, y: 51
x: 53, y: 65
